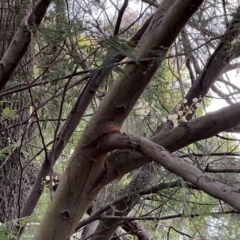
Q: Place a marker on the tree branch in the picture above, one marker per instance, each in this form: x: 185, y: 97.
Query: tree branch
x: 21, y: 40
x: 71, y: 123
x: 194, y: 130
x: 152, y: 3
x: 120, y: 16
x: 175, y: 165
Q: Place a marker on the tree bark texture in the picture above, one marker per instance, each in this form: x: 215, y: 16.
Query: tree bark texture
x: 16, y: 175
x: 87, y: 165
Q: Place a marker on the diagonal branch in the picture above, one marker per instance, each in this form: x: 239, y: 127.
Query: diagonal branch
x: 124, y: 161
x: 70, y: 125
x: 175, y: 165
x: 221, y: 94
x: 87, y: 165
x: 21, y: 40
x: 194, y: 130
x: 120, y: 16
x: 217, y: 62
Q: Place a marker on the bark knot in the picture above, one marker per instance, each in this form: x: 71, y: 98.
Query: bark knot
x: 121, y: 109
x: 65, y: 214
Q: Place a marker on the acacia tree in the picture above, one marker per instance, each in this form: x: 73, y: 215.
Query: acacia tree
x: 175, y: 41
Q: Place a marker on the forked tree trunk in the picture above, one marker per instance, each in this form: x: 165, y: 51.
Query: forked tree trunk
x: 214, y: 66
x: 81, y: 181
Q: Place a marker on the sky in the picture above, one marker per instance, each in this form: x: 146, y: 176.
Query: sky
x: 216, y: 103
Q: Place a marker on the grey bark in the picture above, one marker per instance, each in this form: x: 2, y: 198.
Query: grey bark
x: 16, y: 175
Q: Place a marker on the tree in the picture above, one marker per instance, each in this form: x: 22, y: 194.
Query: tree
x: 183, y: 56
x: 16, y: 172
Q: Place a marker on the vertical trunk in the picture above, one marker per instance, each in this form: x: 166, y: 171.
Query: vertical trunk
x: 15, y: 179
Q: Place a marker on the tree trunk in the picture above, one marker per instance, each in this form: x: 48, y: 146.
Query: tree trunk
x: 87, y: 167
x: 16, y: 175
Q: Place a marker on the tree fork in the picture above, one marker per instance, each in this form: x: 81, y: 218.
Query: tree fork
x: 75, y: 192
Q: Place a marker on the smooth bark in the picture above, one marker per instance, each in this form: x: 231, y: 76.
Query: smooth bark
x: 69, y: 127
x: 122, y: 162
x: 21, y: 40
x: 175, y: 165
x: 213, y: 68
x: 87, y: 166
